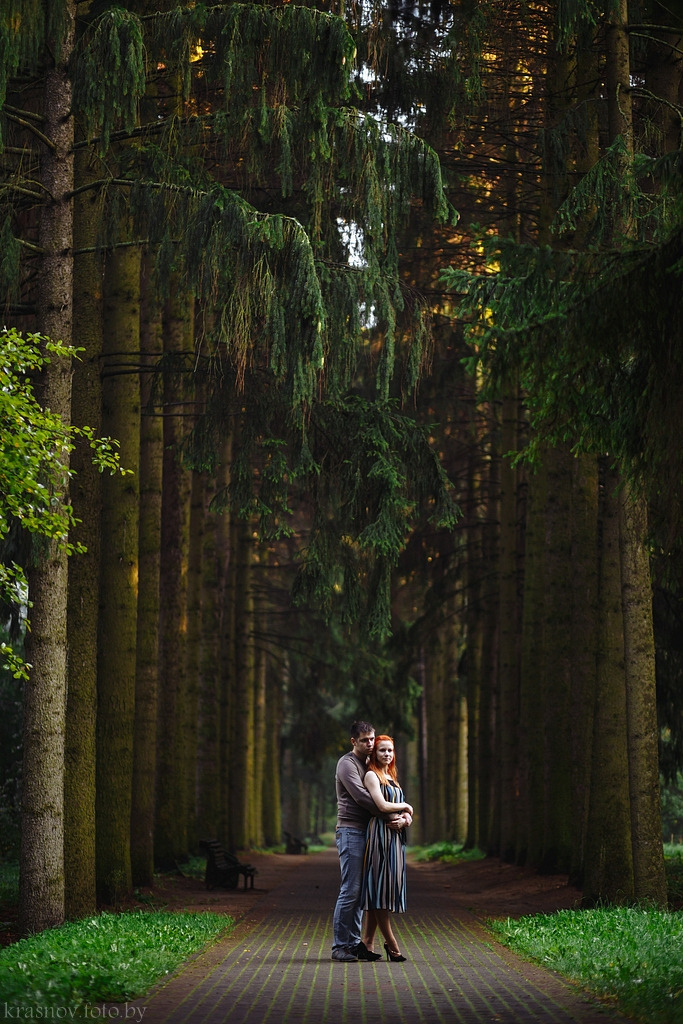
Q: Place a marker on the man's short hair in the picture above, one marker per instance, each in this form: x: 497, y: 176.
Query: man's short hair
x: 360, y: 729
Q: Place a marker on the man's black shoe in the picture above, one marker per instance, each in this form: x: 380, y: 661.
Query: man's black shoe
x: 363, y: 953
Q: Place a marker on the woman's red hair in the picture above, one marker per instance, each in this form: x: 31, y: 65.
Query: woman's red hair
x: 379, y: 769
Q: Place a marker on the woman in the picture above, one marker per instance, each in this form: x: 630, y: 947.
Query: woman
x: 384, y: 868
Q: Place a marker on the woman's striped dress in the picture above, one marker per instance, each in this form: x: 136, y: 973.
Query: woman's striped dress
x: 384, y: 868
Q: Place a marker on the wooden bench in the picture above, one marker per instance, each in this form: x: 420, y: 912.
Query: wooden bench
x: 223, y: 869
x: 293, y: 845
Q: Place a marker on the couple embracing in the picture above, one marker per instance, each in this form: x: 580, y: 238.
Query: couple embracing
x: 371, y: 821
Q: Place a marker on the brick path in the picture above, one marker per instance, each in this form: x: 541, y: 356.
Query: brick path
x: 276, y: 967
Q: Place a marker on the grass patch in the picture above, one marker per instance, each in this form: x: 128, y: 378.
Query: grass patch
x: 673, y: 867
x: 446, y: 852
x: 9, y: 883
x: 194, y: 867
x: 113, y: 957
x: 627, y: 954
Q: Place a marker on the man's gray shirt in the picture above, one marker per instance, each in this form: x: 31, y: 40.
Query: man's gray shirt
x: 355, y: 806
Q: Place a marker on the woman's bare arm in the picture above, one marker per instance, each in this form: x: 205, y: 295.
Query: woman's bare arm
x: 371, y: 783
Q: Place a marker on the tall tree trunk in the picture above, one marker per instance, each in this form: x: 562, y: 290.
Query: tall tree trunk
x: 84, y: 569
x: 641, y: 702
x: 242, y: 778
x: 149, y: 546
x: 423, y: 747
x: 474, y: 622
x: 462, y: 780
x: 170, y: 833
x: 117, y: 642
x: 194, y: 634
x: 508, y: 665
x: 608, y: 873
x: 557, y: 815
x: 584, y: 561
x: 42, y: 802
x: 272, y: 822
x: 228, y: 771
x: 260, y: 676
x: 434, y: 704
x: 618, y: 75
x: 489, y: 708
x: 214, y: 568
x: 532, y: 688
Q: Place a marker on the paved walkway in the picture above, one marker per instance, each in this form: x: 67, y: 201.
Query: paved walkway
x: 276, y: 967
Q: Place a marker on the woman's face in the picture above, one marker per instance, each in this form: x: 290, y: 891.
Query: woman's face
x: 385, y: 753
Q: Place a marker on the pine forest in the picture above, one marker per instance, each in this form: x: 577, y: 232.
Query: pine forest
x: 341, y: 352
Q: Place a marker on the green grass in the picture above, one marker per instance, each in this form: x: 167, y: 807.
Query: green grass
x: 673, y: 865
x: 446, y: 852
x: 673, y: 849
x: 194, y: 867
x: 113, y: 957
x: 9, y: 883
x: 630, y: 955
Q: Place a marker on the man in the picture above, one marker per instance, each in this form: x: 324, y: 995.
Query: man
x: 355, y: 808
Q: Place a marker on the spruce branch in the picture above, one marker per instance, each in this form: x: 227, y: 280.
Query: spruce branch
x: 31, y: 128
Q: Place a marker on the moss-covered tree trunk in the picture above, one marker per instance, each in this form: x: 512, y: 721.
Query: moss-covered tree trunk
x: 272, y: 822
x: 584, y: 561
x: 42, y: 803
x: 508, y: 663
x: 649, y: 878
x: 194, y: 634
x: 557, y: 814
x: 149, y: 547
x: 117, y: 633
x: 608, y: 872
x: 84, y: 569
x: 170, y: 833
x: 214, y: 567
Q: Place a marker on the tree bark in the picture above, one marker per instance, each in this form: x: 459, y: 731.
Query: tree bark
x: 149, y: 546
x: 641, y: 702
x: 117, y: 642
x: 42, y: 824
x: 84, y: 569
x: 557, y: 815
x: 584, y: 560
x: 194, y: 633
x: 170, y: 833
x: 242, y: 776
x: 608, y: 874
x: 489, y: 707
x: 260, y: 676
x: 214, y: 568
x: 532, y: 688
x: 272, y: 822
x: 228, y: 772
x: 508, y: 664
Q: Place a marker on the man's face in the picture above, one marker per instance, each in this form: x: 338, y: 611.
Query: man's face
x: 363, y: 744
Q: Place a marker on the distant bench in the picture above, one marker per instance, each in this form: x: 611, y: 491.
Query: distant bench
x: 223, y: 869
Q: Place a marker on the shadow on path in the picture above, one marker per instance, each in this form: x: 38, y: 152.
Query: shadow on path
x: 276, y: 967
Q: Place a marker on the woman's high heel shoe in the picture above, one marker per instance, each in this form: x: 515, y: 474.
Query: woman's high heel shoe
x: 395, y: 958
